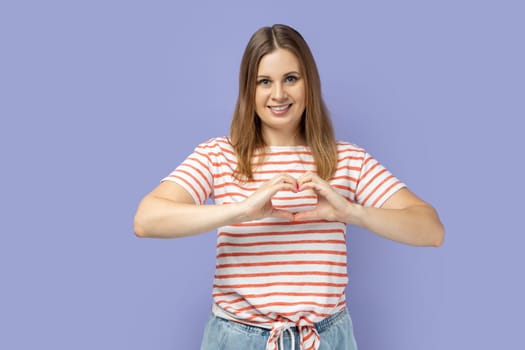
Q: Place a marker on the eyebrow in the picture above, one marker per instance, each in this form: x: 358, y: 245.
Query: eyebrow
x: 284, y: 75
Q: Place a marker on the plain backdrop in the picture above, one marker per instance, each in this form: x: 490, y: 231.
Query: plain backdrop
x: 101, y: 99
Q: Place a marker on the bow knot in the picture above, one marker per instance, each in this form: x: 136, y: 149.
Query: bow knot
x: 309, y: 338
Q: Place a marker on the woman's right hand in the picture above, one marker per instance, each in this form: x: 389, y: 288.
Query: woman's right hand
x: 169, y: 210
x: 259, y: 204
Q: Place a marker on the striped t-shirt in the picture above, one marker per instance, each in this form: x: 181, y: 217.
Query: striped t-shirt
x: 275, y: 273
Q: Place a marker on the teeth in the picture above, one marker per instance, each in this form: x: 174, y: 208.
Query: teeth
x: 280, y: 108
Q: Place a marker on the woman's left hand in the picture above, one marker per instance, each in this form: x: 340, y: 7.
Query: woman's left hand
x: 331, y: 206
x: 403, y: 217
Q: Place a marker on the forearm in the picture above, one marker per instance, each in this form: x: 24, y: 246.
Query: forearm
x: 417, y: 225
x: 162, y: 218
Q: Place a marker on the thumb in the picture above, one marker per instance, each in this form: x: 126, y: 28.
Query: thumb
x: 282, y: 214
x: 306, y: 215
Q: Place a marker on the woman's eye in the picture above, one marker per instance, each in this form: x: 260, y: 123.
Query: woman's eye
x: 291, y: 79
x: 264, y: 82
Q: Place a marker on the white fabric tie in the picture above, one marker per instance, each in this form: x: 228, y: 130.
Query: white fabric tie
x: 309, y: 338
x: 277, y: 336
x: 292, y: 337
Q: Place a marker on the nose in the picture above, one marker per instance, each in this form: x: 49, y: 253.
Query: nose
x: 279, y: 92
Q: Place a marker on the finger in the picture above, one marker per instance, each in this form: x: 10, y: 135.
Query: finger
x: 311, y: 186
x: 284, y: 181
x: 306, y: 215
x: 309, y: 178
x: 285, y: 187
x: 282, y: 214
x: 306, y: 177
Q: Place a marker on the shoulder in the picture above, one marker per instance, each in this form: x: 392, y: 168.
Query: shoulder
x: 217, y: 148
x: 216, y: 144
x: 348, y: 149
x: 345, y: 145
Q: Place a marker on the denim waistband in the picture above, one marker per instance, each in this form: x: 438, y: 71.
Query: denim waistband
x: 320, y: 326
x: 323, y: 325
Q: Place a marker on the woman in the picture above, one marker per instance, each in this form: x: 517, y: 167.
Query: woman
x: 284, y: 192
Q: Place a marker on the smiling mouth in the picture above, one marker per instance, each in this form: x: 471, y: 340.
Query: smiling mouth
x: 280, y: 108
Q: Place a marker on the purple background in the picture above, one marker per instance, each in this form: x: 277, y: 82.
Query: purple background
x: 101, y: 99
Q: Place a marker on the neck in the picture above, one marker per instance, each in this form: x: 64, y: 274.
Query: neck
x: 295, y: 139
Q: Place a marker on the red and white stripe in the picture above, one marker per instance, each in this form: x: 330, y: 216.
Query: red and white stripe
x: 274, y: 273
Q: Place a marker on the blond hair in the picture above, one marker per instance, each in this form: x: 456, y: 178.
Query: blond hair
x: 316, y: 126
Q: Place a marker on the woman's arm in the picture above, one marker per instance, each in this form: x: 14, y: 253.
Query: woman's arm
x: 169, y: 211
x: 404, y: 217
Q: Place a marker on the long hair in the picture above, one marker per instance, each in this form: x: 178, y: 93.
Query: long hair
x: 316, y: 126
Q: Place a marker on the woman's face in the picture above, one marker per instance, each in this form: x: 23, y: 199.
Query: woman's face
x: 280, y: 97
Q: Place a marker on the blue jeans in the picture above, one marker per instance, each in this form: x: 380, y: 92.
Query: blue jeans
x: 336, y: 333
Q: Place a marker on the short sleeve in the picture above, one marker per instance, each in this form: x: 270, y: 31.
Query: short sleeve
x: 195, y: 173
x: 375, y: 183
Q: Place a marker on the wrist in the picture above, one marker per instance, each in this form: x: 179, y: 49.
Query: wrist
x: 355, y: 214
x: 239, y: 213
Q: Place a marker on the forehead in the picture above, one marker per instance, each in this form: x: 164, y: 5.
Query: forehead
x: 278, y: 62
